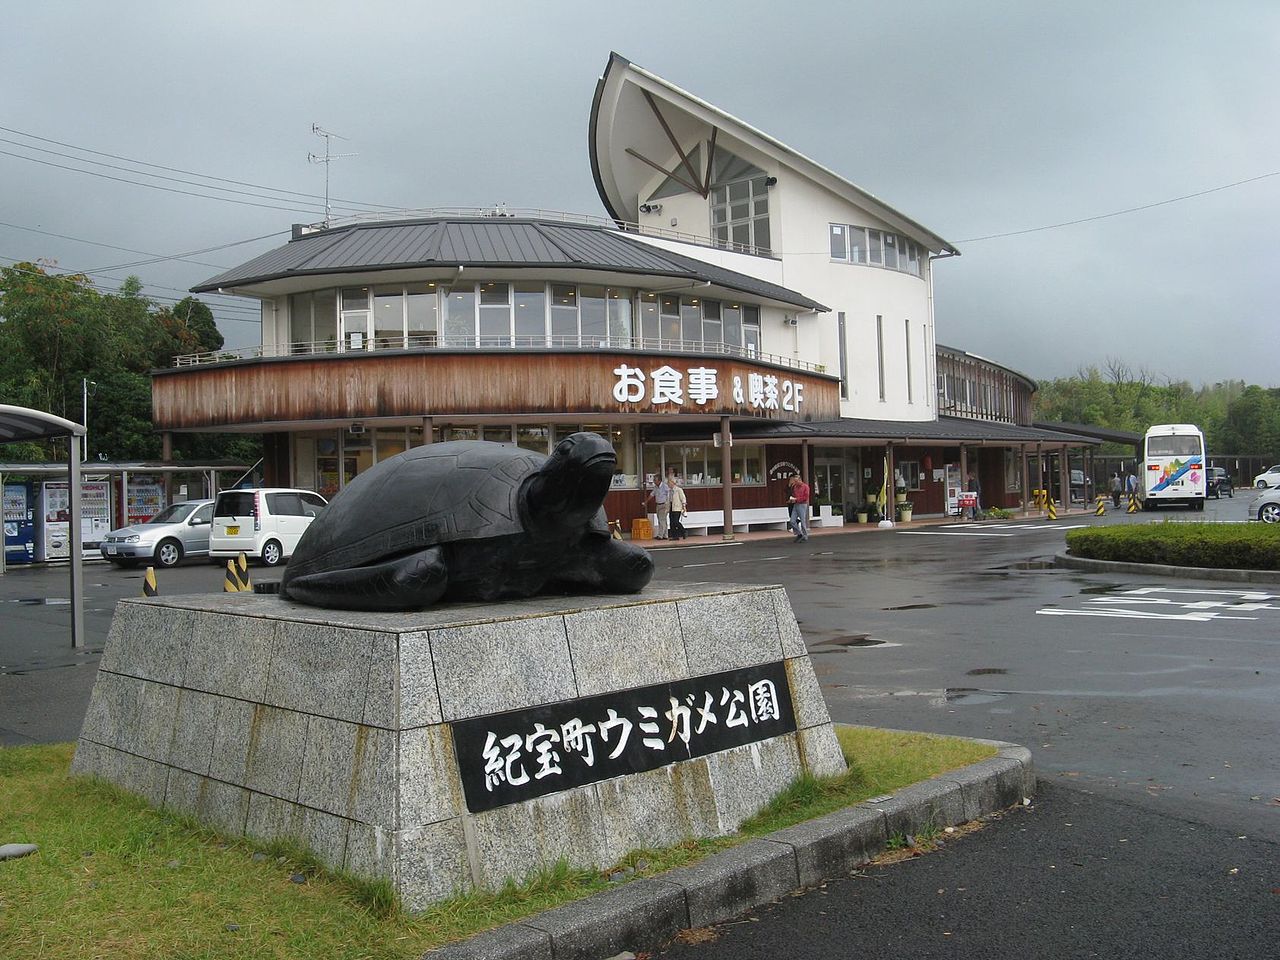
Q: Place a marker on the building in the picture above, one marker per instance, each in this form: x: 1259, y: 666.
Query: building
x: 736, y: 288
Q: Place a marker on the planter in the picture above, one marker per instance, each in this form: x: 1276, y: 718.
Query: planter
x: 904, y: 514
x: 899, y: 498
x: 862, y: 516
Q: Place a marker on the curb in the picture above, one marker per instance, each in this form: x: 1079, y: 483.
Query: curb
x: 646, y: 913
x: 1163, y: 570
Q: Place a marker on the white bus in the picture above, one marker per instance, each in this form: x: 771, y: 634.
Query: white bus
x: 1173, y: 466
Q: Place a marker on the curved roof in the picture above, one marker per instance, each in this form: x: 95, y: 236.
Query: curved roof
x: 23, y: 423
x: 499, y: 242
x: 622, y: 125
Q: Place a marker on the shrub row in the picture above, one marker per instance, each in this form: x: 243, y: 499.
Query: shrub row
x: 1244, y: 546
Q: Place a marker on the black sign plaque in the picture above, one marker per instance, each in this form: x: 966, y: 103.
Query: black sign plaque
x: 509, y: 757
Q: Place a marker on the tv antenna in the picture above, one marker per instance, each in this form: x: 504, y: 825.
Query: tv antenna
x: 327, y: 159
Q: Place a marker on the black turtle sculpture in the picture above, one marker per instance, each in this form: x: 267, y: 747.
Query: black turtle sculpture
x: 468, y: 520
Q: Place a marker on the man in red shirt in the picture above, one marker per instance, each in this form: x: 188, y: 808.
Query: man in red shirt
x: 799, y: 506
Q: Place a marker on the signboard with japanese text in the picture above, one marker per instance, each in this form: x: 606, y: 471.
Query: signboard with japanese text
x: 511, y: 757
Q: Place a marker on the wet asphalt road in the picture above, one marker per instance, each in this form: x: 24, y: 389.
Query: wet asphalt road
x: 1151, y: 705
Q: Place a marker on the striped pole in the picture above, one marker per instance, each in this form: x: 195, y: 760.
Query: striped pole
x: 1053, y: 509
x: 242, y: 571
x: 231, y: 583
x: 149, y: 588
x: 1133, y: 503
x: 1102, y: 507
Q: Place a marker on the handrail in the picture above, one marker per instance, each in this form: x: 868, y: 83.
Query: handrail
x: 431, y: 342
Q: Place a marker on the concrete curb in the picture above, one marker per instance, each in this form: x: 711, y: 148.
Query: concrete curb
x: 646, y: 913
x: 1163, y: 570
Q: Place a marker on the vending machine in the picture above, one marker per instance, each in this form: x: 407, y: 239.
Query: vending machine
x: 19, y: 523
x: 55, y: 510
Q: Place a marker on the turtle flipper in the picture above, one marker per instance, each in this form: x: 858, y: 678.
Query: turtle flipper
x: 409, y: 582
x: 611, y: 565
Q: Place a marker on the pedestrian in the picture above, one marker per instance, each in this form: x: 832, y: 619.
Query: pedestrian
x: 976, y: 490
x: 661, y: 497
x: 679, y: 506
x: 798, y: 506
x: 1117, y: 488
x: 1131, y: 485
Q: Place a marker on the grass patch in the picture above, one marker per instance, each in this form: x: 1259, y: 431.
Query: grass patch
x: 116, y: 878
x: 1231, y: 546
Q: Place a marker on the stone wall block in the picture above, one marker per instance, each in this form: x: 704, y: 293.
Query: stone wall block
x: 327, y: 780
x: 194, y: 727
x: 231, y: 733
x: 431, y: 863
x: 139, y: 775
x: 923, y: 808
x: 382, y: 694
x: 417, y: 697
x: 230, y: 655
x: 371, y: 852
x: 657, y: 808
x: 154, y: 707
x: 820, y: 752
x: 430, y: 788
x: 744, y: 779
x: 325, y: 835
x: 504, y: 665
x: 793, y: 644
x: 113, y: 708
x: 320, y: 669
x: 514, y: 841
x: 806, y: 694
x: 148, y: 641
x: 277, y: 742
x: 616, y: 648
x: 836, y: 844
x: 736, y: 880
x: 641, y: 915
x: 729, y: 631
x: 223, y: 806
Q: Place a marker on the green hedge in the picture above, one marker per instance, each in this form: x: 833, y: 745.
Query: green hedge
x: 1232, y: 546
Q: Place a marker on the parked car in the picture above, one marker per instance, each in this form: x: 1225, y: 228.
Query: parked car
x: 1266, y: 506
x: 181, y: 530
x: 1217, y: 482
x: 1269, y: 478
x: 264, y: 523
x: 1081, y: 486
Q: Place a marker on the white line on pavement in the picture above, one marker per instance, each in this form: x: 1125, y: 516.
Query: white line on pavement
x: 1206, y: 617
x: 958, y: 533
x: 713, y: 563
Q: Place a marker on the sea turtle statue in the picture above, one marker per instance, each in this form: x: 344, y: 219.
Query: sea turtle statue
x: 467, y: 520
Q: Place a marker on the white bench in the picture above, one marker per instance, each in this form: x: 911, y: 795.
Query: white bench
x: 702, y: 522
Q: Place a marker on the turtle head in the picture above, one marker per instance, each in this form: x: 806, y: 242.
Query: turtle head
x: 569, y: 489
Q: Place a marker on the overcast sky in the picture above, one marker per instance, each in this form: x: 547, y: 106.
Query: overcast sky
x: 970, y: 117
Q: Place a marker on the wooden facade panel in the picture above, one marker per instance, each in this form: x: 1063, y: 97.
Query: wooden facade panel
x: 365, y: 387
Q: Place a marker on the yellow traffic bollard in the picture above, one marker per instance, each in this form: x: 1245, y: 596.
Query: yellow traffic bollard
x: 1102, y: 507
x: 231, y: 582
x: 149, y: 588
x: 1133, y: 503
x: 242, y: 571
x: 1053, y: 509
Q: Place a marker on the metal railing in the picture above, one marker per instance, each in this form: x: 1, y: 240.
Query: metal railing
x: 428, y: 342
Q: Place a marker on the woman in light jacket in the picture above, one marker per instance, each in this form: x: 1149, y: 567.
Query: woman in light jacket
x: 679, y: 503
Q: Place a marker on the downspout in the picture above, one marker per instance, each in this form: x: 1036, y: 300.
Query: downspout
x: 931, y: 382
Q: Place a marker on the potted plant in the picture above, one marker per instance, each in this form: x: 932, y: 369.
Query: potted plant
x: 862, y: 515
x: 904, y: 510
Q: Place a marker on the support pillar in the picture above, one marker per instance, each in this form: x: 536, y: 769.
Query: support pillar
x: 428, y: 430
x: 1026, y: 481
x: 166, y: 456
x: 74, y: 497
x: 1039, y: 467
x: 726, y: 477
x: 1064, y: 477
x: 891, y: 488
x: 804, y: 460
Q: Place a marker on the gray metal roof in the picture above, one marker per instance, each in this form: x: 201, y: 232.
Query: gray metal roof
x: 23, y: 423
x: 944, y: 430
x: 486, y: 242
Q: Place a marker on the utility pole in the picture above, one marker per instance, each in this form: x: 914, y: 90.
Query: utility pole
x: 85, y: 384
x: 327, y: 159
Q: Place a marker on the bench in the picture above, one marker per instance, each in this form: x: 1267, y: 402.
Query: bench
x: 701, y: 522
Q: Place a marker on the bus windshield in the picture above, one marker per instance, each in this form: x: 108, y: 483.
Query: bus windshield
x: 1174, y: 446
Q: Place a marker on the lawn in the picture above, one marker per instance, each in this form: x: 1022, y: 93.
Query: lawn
x: 115, y: 878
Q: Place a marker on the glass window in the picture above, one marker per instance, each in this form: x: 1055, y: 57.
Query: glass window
x: 649, y: 329
x: 857, y: 244
x: 284, y: 505
x: 620, y: 331
x: 533, y: 436
x: 460, y: 317
x: 387, y: 443
x: 595, y: 316
x: 422, y: 314
x: 880, y: 352
x: 355, y: 318
x: 748, y: 464
x: 844, y: 356
x: 913, y: 258
x: 495, y: 314
x: 564, y: 314
x: 732, y: 314
x: 760, y: 233
x: 498, y: 434
x: 670, y: 319
x: 715, y: 466
x: 908, y: 471
x: 751, y: 329
x: 565, y: 430
x: 695, y: 464
x: 300, y: 329
x: 740, y: 213
x: 653, y: 472
x: 691, y: 322
x: 711, y: 329
x: 388, y: 317
x: 875, y: 248
x: 839, y: 248
x: 906, y: 343
x: 324, y: 312
x: 355, y: 298
x: 531, y: 314
x: 891, y: 251
x: 464, y: 432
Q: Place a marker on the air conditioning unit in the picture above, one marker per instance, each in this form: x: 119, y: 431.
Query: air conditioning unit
x: 357, y: 429
x: 790, y: 321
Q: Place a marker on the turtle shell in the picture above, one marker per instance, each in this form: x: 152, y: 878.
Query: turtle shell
x: 433, y: 494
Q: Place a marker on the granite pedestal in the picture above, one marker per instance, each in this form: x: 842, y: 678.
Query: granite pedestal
x: 344, y: 730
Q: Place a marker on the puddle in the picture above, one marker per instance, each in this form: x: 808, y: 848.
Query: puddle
x: 850, y: 640
x: 985, y: 671
x: 1030, y: 565
x: 43, y: 601
x: 912, y: 606
x: 1104, y: 588
x: 970, y: 696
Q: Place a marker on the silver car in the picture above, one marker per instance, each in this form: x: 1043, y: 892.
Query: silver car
x: 1266, y: 506
x: 181, y: 530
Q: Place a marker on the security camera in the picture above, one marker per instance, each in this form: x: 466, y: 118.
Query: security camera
x: 650, y: 208
x: 644, y: 208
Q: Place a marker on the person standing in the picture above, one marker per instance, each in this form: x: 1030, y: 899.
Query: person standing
x: 1131, y: 484
x: 976, y: 490
x: 661, y: 497
x: 678, y: 504
x: 1117, y: 488
x: 798, y: 503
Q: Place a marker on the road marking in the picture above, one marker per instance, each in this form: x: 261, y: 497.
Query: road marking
x: 1204, y: 617
x: 958, y: 533
x: 713, y: 563
x: 1242, y: 594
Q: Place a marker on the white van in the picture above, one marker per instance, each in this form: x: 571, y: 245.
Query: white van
x: 264, y: 523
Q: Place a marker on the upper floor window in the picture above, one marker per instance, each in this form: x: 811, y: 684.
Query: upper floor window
x: 853, y: 244
x: 740, y: 214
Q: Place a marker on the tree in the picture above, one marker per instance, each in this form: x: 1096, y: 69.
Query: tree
x: 198, y: 318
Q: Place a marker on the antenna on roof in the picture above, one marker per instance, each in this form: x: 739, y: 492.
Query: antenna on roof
x: 327, y: 159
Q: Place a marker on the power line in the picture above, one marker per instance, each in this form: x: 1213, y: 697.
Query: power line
x: 195, y: 253
x: 109, y: 246
x: 1118, y: 213
x: 205, y: 176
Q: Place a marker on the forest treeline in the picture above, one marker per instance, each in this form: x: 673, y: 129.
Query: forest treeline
x: 58, y: 332
x: 1237, y: 418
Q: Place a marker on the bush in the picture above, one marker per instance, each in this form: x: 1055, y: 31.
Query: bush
x: 1226, y: 546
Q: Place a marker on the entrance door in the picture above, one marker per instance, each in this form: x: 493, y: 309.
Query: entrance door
x: 828, y: 485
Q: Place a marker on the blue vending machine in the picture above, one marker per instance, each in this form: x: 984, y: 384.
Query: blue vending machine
x: 19, y: 523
